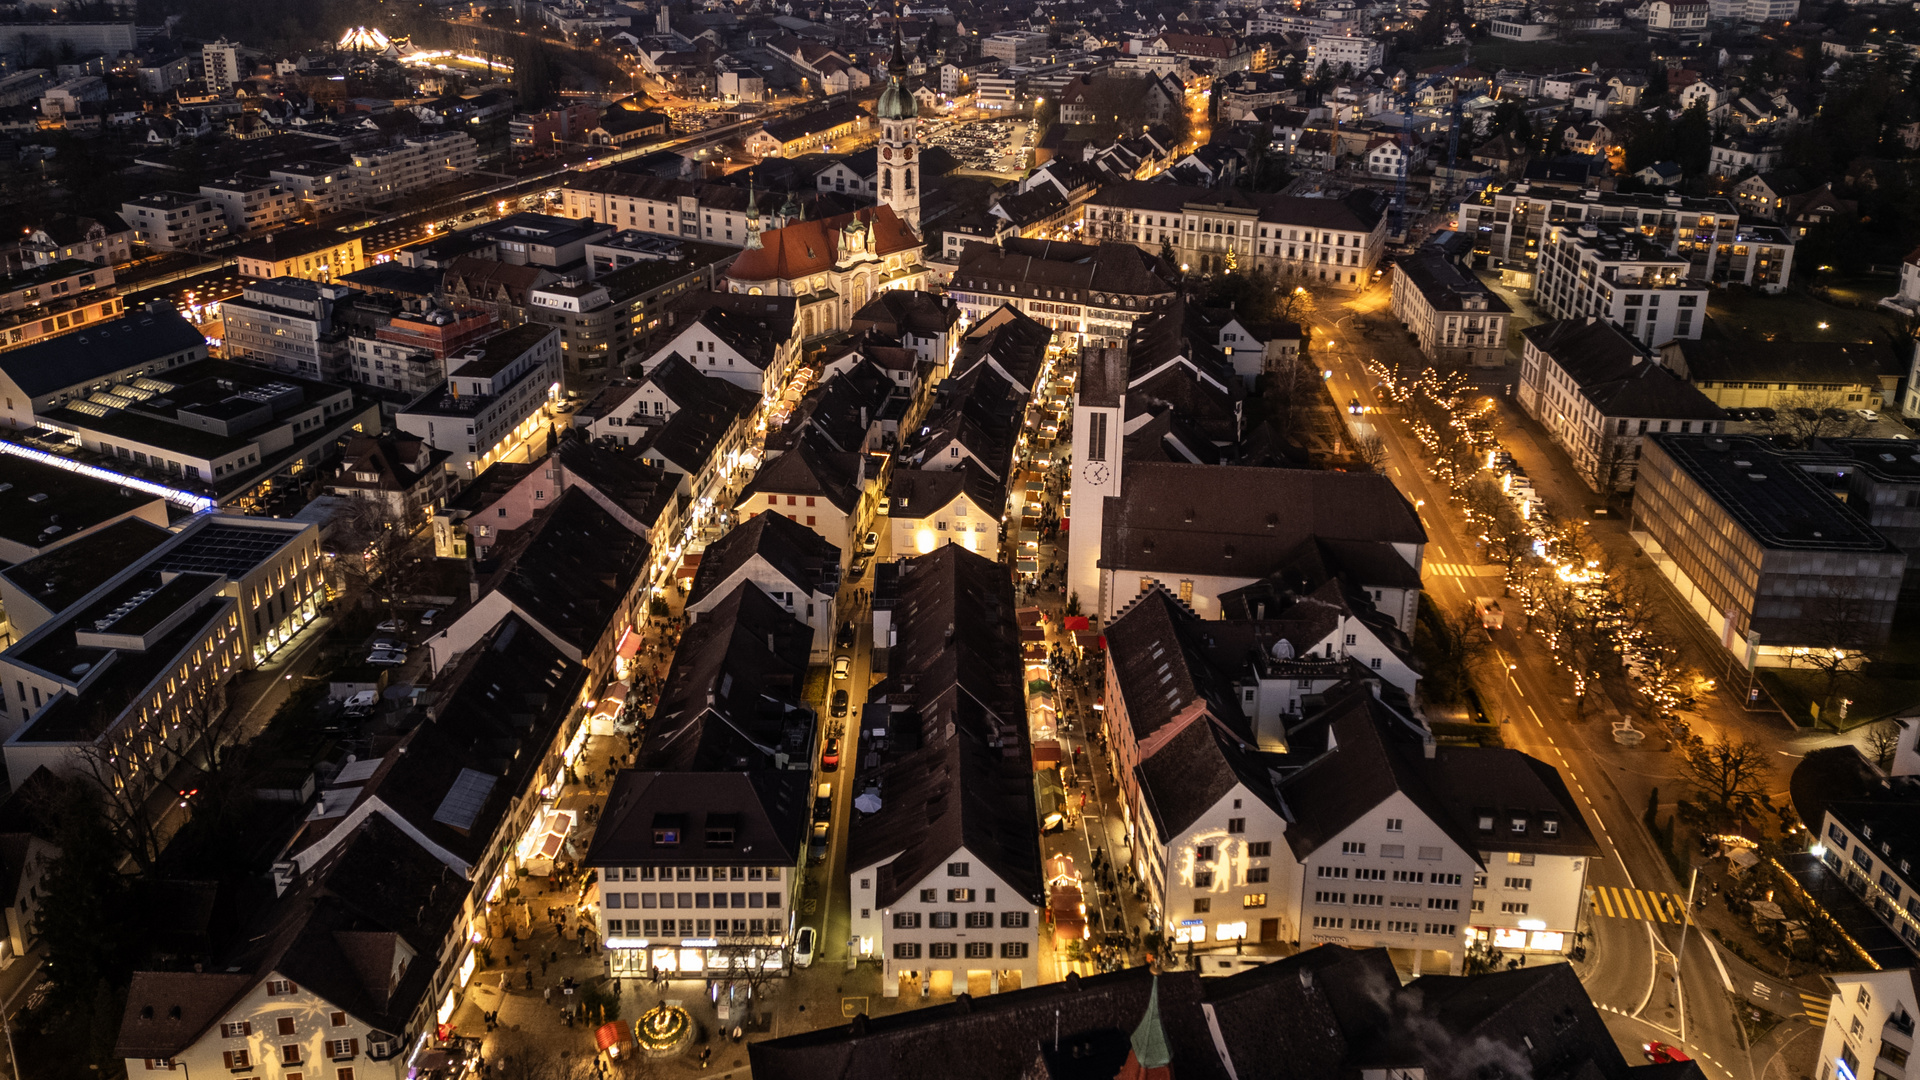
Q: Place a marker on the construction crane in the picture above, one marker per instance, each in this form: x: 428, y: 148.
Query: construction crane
x: 1399, y: 217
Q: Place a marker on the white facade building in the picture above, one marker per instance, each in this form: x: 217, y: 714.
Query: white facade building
x: 1608, y: 272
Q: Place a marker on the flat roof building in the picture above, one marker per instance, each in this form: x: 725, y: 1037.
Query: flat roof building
x: 43, y: 507
x: 496, y: 394
x: 1767, y: 557
x: 46, y: 374
x: 101, y: 675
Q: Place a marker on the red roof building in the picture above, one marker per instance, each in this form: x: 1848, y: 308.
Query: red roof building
x: 833, y: 265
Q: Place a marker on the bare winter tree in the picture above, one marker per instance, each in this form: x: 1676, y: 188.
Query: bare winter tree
x: 1838, y: 630
x: 746, y: 964
x: 373, y: 538
x: 1508, y: 540
x: 1371, y: 449
x: 122, y: 787
x: 212, y: 736
x: 1803, y: 417
x: 1454, y: 648
x: 1883, y: 739
x: 1730, y: 774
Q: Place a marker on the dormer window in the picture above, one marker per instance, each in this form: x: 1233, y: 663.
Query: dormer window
x: 666, y: 837
x: 1519, y: 826
x: 667, y: 829
x: 1486, y: 822
x: 1550, y: 827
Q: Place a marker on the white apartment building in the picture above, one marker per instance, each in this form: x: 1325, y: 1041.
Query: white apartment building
x: 278, y: 1023
x: 385, y: 173
x: 956, y: 919
x: 1375, y: 838
x: 174, y: 220
x: 697, y: 871
x: 1456, y: 319
x: 1687, y: 16
x: 1620, y: 276
x: 1510, y: 223
x: 1762, y: 11
x: 1869, y: 1029
x: 1600, y: 393
x: 1360, y: 54
x: 1215, y: 850
x: 1014, y: 46
x: 287, y: 324
x: 222, y: 62
x: 251, y: 202
x: 945, y: 881
x: 718, y: 345
x: 496, y: 399
x: 929, y: 508
x: 1861, y: 843
x: 669, y: 206
x: 318, y: 187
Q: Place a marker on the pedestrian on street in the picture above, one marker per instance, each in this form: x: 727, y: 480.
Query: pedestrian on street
x: 543, y: 969
x: 548, y: 993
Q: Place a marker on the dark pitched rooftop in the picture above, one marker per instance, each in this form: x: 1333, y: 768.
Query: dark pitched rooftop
x: 967, y: 782
x: 808, y: 470
x: 748, y: 818
x: 1242, y: 521
x: 796, y: 552
x: 731, y: 700
x: 575, y: 570
x: 1617, y: 374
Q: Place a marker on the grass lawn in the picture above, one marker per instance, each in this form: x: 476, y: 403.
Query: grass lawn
x: 1792, y: 316
x: 1866, y: 290
x: 1873, y: 698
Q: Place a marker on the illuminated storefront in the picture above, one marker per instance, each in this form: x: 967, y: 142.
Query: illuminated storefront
x: 1531, y: 935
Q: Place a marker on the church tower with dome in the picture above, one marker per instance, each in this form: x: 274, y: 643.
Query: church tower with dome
x: 899, y: 116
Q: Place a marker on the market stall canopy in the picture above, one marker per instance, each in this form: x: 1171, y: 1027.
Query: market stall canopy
x: 611, y: 1036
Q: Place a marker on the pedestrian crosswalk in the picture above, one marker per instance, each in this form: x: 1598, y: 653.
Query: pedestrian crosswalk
x: 1452, y: 569
x: 1816, y: 1007
x: 1643, y: 904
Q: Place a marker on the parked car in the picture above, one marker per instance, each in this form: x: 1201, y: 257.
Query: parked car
x: 427, y: 616
x: 387, y: 644
x: 386, y: 657
x: 803, y: 947
x: 1869, y: 416
x: 392, y: 626
x: 839, y: 704
x: 870, y: 542
x: 823, y: 803
x: 842, y: 667
x: 830, y: 757
x: 817, y: 847
x: 844, y: 639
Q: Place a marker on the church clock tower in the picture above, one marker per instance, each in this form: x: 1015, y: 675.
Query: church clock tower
x: 899, y: 116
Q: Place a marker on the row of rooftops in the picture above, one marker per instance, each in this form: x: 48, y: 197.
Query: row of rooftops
x: 1330, y: 1011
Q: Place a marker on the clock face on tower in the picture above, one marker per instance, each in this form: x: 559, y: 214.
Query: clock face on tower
x: 1095, y: 472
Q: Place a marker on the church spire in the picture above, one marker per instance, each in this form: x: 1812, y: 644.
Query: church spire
x: 898, y: 112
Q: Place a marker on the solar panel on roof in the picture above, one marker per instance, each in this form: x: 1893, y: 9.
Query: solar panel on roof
x: 465, y: 798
